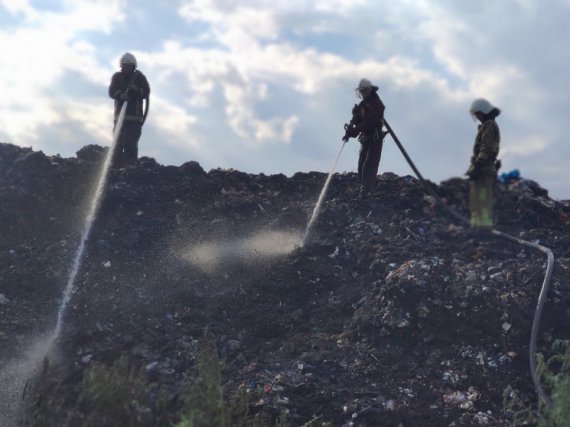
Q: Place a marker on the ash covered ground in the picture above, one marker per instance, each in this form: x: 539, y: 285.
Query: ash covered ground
x: 390, y: 315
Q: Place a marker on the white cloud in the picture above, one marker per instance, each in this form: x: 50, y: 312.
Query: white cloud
x: 524, y: 147
x: 174, y: 122
x: 261, y: 76
x: 35, y: 56
x: 16, y: 7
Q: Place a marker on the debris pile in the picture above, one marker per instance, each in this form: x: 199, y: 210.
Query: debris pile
x: 390, y: 315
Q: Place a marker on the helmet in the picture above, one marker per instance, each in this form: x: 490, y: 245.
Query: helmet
x: 363, y: 89
x: 128, y: 58
x: 481, y: 105
x: 364, y: 84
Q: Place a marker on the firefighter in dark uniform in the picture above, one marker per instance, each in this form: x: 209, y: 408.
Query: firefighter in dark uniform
x: 482, y: 172
x: 366, y: 124
x: 129, y: 85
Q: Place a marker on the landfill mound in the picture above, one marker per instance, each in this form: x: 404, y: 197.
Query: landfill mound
x: 389, y: 315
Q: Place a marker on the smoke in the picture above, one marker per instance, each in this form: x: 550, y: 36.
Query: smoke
x: 210, y: 257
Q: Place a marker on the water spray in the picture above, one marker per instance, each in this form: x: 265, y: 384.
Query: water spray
x: 89, y: 220
x: 14, y: 376
x: 317, y: 208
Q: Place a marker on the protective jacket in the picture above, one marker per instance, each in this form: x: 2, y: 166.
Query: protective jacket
x: 485, y: 150
x: 137, y: 88
x: 369, y: 114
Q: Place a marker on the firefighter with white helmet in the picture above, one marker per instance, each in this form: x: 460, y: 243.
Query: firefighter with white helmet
x: 482, y: 172
x: 366, y: 124
x: 129, y: 85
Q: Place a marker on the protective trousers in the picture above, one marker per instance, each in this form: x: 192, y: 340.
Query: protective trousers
x: 368, y: 162
x: 126, y: 150
x: 481, y: 201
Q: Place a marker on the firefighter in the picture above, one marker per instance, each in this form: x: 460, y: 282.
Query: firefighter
x: 129, y: 85
x: 482, y: 172
x: 366, y: 124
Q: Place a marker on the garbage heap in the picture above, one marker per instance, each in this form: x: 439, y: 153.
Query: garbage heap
x: 391, y: 314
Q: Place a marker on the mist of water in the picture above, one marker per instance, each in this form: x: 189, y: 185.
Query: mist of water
x: 317, y: 208
x: 89, y: 220
x: 210, y: 256
x: 16, y: 374
x: 14, y: 377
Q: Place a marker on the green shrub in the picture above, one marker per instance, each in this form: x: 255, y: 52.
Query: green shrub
x: 555, y: 376
x: 120, y: 395
x: 205, y: 405
x: 204, y: 401
x: 520, y: 412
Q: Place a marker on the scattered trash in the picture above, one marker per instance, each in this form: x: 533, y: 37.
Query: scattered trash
x: 151, y: 366
x: 508, y: 177
x: 464, y: 400
x: 389, y: 313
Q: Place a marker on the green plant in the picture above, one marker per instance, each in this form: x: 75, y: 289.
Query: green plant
x: 555, y: 375
x: 205, y: 405
x: 204, y: 401
x: 114, y: 395
x: 121, y: 395
x: 520, y: 412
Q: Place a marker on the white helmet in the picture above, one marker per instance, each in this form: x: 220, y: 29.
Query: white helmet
x: 364, y: 84
x: 482, y: 106
x: 128, y: 58
x: 364, y: 87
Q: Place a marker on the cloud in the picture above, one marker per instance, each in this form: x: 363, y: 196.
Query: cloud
x: 233, y: 83
x: 531, y: 145
x: 174, y: 122
x: 246, y: 60
x: 20, y: 7
x: 40, y: 52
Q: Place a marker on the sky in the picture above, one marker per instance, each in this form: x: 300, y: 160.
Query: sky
x: 266, y: 86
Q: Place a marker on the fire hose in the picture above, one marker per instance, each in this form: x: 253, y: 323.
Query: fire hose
x: 547, y: 276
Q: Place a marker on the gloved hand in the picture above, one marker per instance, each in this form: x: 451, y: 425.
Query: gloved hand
x: 120, y: 95
x: 352, y: 132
